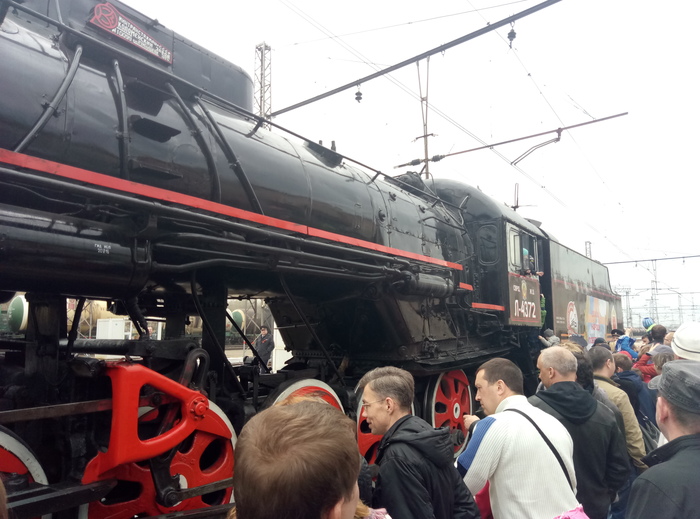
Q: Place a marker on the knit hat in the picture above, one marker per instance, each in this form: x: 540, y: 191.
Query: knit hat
x: 548, y: 333
x: 647, y: 322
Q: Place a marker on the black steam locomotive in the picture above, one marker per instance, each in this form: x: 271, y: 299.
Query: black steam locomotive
x: 132, y: 171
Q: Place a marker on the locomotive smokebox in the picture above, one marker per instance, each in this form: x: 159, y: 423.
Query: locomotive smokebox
x: 48, y: 253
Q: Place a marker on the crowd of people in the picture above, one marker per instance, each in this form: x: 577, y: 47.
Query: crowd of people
x: 601, y: 438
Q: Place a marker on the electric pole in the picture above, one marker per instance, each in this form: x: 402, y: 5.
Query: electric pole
x: 263, y: 81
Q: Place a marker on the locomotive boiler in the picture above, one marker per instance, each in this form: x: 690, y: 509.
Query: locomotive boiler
x: 132, y: 171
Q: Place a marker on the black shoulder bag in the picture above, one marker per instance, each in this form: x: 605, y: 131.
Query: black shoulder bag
x: 544, y: 437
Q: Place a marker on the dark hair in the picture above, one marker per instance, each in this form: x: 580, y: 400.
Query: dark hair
x: 584, y: 371
x: 658, y: 332
x: 622, y: 361
x: 295, y: 462
x: 505, y: 370
x: 392, y: 382
x: 598, y: 356
x: 263, y: 327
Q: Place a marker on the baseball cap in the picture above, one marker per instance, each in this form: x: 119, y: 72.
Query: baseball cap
x: 686, y: 341
x: 679, y: 383
x: 578, y: 339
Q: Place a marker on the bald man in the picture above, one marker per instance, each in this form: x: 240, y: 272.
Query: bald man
x: 600, y: 454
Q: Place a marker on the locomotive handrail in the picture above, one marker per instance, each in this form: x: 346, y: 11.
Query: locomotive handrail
x: 233, y: 161
x: 177, y: 212
x: 197, y: 134
x: 266, y: 248
x: 51, y: 107
x: 123, y: 134
x: 201, y: 91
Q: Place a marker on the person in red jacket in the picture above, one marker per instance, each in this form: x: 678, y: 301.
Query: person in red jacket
x: 645, y: 362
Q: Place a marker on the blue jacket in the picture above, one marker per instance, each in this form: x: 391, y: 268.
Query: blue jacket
x: 626, y: 343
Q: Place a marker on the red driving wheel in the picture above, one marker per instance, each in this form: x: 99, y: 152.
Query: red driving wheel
x: 203, y: 458
x: 306, y: 387
x: 17, y: 458
x: 196, y: 434
x: 447, y: 398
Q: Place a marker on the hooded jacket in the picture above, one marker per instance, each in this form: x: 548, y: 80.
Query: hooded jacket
x: 549, y: 338
x: 417, y: 477
x: 626, y: 344
x: 600, y: 454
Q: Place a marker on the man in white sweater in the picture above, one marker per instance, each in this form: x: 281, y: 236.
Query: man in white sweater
x: 526, y: 479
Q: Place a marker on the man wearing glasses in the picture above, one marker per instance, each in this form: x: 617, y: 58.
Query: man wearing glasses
x: 417, y: 477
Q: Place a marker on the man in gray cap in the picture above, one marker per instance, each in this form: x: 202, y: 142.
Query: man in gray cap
x: 669, y: 489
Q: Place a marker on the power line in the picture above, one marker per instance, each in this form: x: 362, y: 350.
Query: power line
x: 437, y: 158
x: 414, y: 22
x: 647, y: 260
x: 436, y: 50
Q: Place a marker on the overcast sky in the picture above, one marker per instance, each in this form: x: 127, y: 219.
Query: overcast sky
x: 628, y: 185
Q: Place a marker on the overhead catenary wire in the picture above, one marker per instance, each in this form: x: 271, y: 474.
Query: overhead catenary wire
x: 437, y: 158
x: 650, y: 259
x: 413, y: 22
x: 436, y: 50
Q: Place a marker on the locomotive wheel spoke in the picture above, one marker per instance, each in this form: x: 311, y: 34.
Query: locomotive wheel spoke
x: 447, y: 399
x: 201, y: 459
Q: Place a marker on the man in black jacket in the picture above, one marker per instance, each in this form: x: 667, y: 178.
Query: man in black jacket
x: 600, y: 454
x: 669, y: 489
x: 264, y: 344
x: 417, y: 477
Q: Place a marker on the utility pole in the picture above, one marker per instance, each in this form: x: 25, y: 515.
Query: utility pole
x: 654, y: 302
x: 628, y: 309
x: 424, y: 112
x: 654, y: 295
x: 263, y: 81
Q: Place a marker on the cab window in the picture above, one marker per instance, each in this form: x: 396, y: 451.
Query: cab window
x: 488, y: 244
